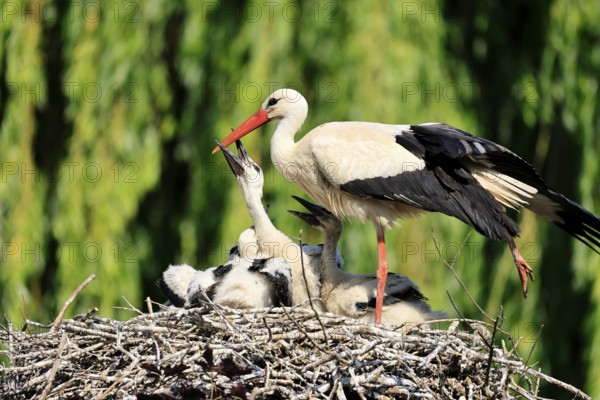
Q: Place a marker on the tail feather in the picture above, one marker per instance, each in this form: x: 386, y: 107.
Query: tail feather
x: 569, y: 216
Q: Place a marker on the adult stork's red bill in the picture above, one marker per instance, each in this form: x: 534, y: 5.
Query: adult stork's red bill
x: 380, y: 172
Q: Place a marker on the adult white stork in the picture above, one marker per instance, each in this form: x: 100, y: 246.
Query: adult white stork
x: 379, y: 172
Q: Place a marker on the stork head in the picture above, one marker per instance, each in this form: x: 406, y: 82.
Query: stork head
x: 246, y: 171
x: 285, y: 103
x: 282, y: 104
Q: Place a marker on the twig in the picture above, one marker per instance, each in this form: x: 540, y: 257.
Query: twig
x: 497, y: 324
x: 451, y: 267
x: 223, y: 317
x: 267, y: 375
x: 117, y: 381
x: 84, y: 317
x: 462, y: 317
x: 268, y: 328
x: 158, y: 359
x: 526, y: 363
x: 11, y: 342
x: 534, y: 344
x: 131, y: 307
x: 308, y: 290
x: 301, y: 329
x: 11, y: 350
x: 149, y: 305
x: 70, y: 300
x: 61, y: 346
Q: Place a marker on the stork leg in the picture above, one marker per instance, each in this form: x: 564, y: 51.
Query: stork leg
x: 522, y: 267
x: 382, y: 272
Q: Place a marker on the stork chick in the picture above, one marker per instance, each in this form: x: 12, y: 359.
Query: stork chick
x: 355, y: 296
x: 271, y: 242
x: 259, y: 283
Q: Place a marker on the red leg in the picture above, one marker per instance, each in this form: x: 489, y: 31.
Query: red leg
x: 523, y: 268
x: 382, y: 271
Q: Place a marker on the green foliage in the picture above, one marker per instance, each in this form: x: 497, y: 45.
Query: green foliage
x: 109, y: 112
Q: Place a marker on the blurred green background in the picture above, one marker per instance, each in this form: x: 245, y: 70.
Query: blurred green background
x: 109, y: 111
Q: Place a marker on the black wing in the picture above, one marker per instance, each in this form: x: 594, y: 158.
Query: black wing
x: 444, y: 184
x: 444, y: 141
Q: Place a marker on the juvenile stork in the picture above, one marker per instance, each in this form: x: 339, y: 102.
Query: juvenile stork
x: 258, y: 283
x: 239, y: 283
x: 272, y: 242
x: 353, y: 295
x: 379, y: 172
x: 184, y: 285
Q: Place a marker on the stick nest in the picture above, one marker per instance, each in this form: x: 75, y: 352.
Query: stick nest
x: 215, y: 352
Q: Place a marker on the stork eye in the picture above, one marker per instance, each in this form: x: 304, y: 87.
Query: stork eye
x: 272, y: 102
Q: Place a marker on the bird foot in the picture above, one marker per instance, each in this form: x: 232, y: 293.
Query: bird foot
x: 524, y: 270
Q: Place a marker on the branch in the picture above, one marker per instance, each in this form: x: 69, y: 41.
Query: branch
x: 70, y: 300
x: 451, y: 267
x: 308, y: 291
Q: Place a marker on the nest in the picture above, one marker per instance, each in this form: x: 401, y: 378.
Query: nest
x: 215, y: 352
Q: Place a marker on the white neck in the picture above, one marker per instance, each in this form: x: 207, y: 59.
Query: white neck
x: 269, y: 239
x: 282, y: 143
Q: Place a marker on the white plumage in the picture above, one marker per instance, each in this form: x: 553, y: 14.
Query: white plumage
x: 175, y: 282
x: 200, y: 283
x: 255, y: 284
x: 239, y: 283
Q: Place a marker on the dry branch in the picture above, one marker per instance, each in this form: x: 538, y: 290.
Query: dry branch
x: 71, y: 299
x: 271, y: 353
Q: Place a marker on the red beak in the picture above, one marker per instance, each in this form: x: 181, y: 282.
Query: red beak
x: 258, y: 119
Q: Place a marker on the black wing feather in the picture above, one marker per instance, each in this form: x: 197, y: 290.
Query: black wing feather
x: 283, y: 294
x: 222, y: 270
x: 449, y: 142
x: 443, y: 140
x: 577, y: 221
x: 445, y: 186
x: 282, y: 285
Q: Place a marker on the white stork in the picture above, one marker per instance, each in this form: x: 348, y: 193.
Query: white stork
x: 239, y: 283
x: 183, y: 285
x: 258, y: 283
x: 272, y: 242
x: 379, y: 172
x: 353, y: 295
